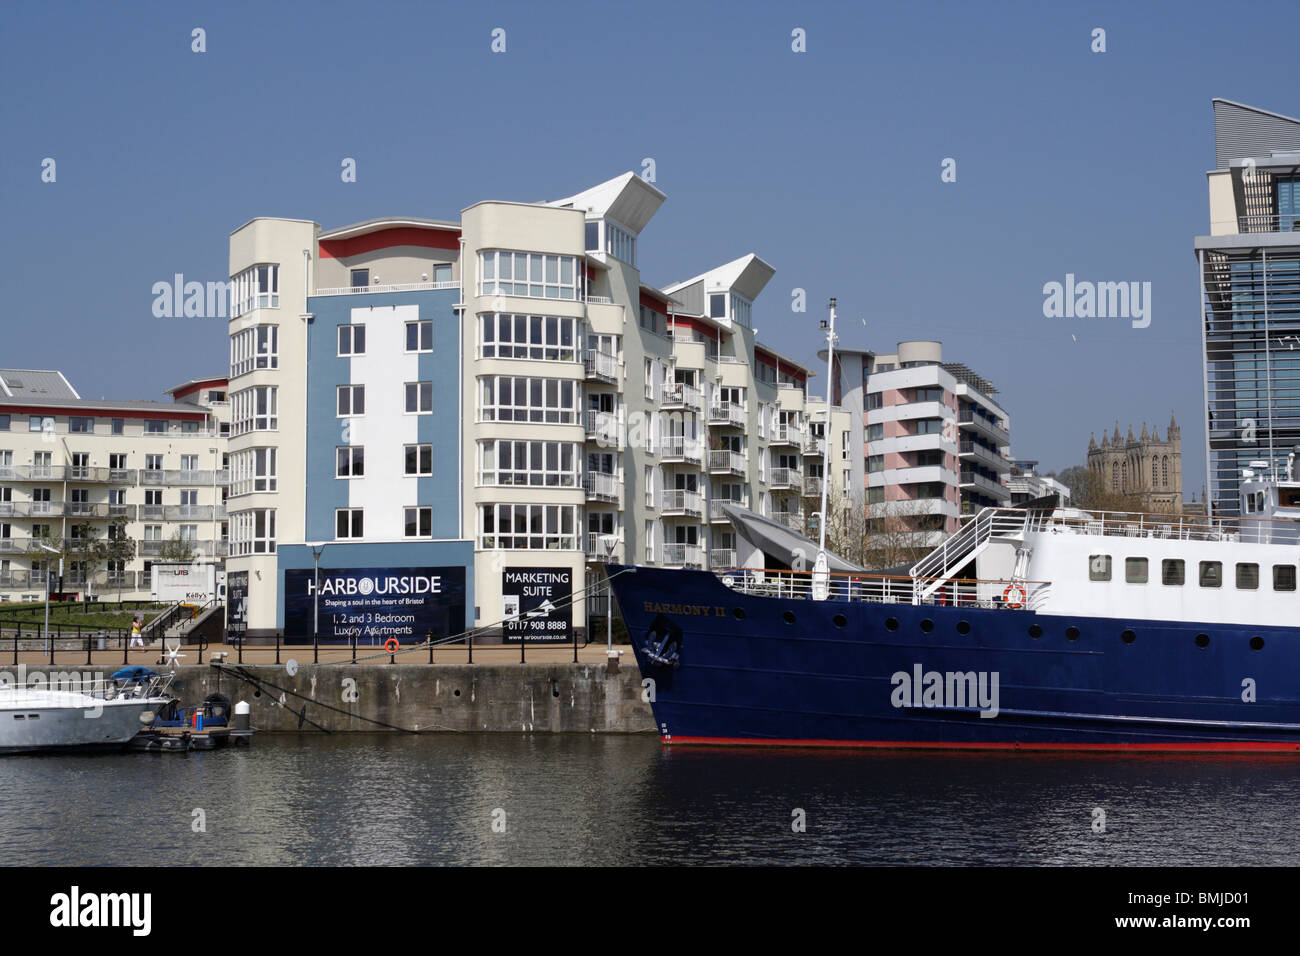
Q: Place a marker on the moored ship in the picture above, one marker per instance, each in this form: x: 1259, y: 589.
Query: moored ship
x: 1038, y: 627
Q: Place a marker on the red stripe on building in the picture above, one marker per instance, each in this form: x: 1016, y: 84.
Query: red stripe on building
x: 102, y: 411
x: 199, y: 386
x: 686, y: 322
x: 389, y: 238
x: 650, y: 301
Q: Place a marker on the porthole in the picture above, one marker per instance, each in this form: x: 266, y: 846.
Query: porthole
x: 840, y: 620
x: 788, y: 617
x: 738, y: 613
x: 927, y: 625
x: 1256, y: 643
x: 1072, y: 632
x: 1035, y: 631
x: 963, y: 627
x: 891, y: 623
x: 1202, y: 640
x: 1128, y: 637
x: 455, y: 693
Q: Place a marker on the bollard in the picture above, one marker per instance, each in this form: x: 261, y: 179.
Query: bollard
x: 354, y: 646
x: 242, y: 716
x: 471, y: 646
x: 123, y: 636
x: 88, y: 661
x: 277, y: 647
x: 428, y: 636
x: 315, y: 648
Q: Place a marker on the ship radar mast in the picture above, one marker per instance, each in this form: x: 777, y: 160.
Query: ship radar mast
x: 821, y: 577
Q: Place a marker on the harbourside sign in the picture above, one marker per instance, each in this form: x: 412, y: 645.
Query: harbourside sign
x: 372, y: 605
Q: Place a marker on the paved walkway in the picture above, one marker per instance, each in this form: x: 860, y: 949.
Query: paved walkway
x: 457, y: 654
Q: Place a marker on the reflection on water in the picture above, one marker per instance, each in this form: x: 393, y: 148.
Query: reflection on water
x: 373, y: 799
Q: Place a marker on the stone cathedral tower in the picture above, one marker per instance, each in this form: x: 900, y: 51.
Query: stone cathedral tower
x: 1148, y: 471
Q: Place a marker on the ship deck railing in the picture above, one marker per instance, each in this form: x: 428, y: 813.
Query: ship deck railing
x: 1130, y: 524
x: 74, y: 682
x: 993, y: 593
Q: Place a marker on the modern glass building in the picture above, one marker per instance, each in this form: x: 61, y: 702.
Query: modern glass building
x: 1250, y: 297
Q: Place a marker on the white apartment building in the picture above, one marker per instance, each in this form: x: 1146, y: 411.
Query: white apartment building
x: 74, y: 470
x: 497, y: 395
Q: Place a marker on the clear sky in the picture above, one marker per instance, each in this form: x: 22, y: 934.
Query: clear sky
x: 826, y: 163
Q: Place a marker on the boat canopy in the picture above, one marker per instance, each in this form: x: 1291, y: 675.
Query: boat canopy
x: 780, y: 543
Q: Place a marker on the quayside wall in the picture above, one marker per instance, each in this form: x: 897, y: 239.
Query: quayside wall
x: 458, y: 698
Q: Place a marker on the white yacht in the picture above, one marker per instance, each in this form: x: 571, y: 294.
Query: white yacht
x: 76, y: 714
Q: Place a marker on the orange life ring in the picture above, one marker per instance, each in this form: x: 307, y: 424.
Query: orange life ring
x: 1014, y: 596
x: 391, y: 645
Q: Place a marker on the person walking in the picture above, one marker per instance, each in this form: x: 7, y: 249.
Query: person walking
x: 137, y: 640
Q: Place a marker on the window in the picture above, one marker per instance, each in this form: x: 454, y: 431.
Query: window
x: 81, y: 426
x: 252, y: 532
x: 620, y: 243
x: 1099, y: 567
x: 874, y: 400
x: 530, y: 274
x: 4, y: 423
x: 419, y: 397
x: 538, y: 400
x: 153, y: 462
x: 1173, y: 572
x: 419, y: 336
x: 927, y: 395
x: 349, y: 523
x: 1135, y: 570
x: 875, y: 463
x: 255, y: 348
x: 360, y: 278
x: 36, y: 423
x: 718, y: 305
x: 844, y: 446
x: 740, y: 309
x: 1284, y: 577
x: 875, y: 432
x: 119, y: 426
x: 350, y: 462
x: 351, y: 400
x: 419, y: 459
x: 550, y: 338
x: 352, y: 340
x: 419, y: 522
x: 155, y: 426
x: 1247, y: 577
x: 592, y: 236
x: 190, y: 428
x: 252, y: 471
x: 650, y: 542
x: 255, y: 288
x: 1211, y: 574
x: 254, y: 410
x: 648, y: 481
x: 549, y: 464
x: 528, y: 527
x: 875, y: 496
x: 929, y: 426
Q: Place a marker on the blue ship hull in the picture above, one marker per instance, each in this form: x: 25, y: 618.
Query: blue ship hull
x: 732, y: 668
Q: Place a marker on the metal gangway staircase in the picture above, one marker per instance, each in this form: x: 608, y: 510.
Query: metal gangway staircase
x: 939, y: 566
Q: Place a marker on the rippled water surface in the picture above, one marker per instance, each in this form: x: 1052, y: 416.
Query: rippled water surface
x: 362, y: 799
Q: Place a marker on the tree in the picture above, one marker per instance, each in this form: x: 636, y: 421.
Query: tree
x: 178, y: 549
x: 115, y: 547
x: 896, y: 532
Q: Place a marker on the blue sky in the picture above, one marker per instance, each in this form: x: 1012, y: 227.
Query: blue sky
x: 825, y: 163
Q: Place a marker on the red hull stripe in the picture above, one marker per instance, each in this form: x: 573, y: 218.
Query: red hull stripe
x: 387, y: 239
x: 1206, y: 746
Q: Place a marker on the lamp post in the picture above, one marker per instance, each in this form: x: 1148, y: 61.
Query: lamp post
x: 44, y: 547
x: 317, y: 549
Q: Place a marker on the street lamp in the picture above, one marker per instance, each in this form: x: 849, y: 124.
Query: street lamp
x: 44, y: 547
x: 317, y: 549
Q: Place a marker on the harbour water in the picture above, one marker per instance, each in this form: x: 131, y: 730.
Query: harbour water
x: 626, y: 800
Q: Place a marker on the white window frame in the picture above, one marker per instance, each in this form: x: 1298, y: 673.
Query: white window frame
x: 419, y: 450
x: 348, y: 336
x: 351, y: 517
x: 422, y: 391
x: 534, y: 473
x: 352, y: 391
x: 420, y: 326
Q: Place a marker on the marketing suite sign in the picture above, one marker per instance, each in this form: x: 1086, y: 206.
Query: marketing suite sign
x: 536, y: 605
x: 375, y: 604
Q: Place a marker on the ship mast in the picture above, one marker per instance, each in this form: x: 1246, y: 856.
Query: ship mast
x: 821, y: 570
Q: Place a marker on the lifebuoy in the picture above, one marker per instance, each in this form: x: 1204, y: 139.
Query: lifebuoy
x: 1014, y: 596
x: 391, y: 645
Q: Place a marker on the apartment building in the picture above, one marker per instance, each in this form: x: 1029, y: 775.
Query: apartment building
x: 933, y: 442
x: 1250, y: 297
x: 1025, y: 484
x: 74, y: 471
x: 496, y: 398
